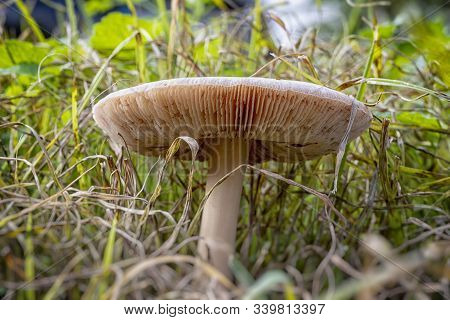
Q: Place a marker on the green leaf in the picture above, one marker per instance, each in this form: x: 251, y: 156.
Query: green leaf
x: 66, y: 116
x: 418, y: 119
x: 433, y: 41
x: 385, y: 31
x: 13, y: 90
x: 94, y: 7
x: 242, y: 275
x: 116, y: 27
x: 208, y: 51
x: 21, y: 57
x: 14, y: 52
x: 419, y: 173
x: 268, y: 281
x: 22, y: 68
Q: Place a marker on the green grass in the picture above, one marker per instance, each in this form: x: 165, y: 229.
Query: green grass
x: 80, y: 220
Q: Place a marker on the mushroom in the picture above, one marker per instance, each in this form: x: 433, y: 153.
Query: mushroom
x: 235, y: 121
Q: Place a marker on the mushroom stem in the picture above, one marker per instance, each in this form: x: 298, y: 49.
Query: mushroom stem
x: 221, y: 211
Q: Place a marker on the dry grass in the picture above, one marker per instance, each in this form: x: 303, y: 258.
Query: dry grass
x: 78, y: 220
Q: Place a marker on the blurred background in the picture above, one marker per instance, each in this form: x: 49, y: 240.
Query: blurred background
x: 77, y: 213
x: 297, y: 15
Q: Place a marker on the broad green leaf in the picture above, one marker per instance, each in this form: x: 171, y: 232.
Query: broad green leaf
x: 13, y: 90
x: 93, y: 7
x: 20, y: 57
x: 385, y: 31
x: 22, y: 68
x: 207, y: 51
x: 13, y: 52
x: 434, y: 42
x: 116, y: 27
x: 418, y: 119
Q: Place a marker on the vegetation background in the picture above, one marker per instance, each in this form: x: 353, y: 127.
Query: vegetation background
x: 81, y: 221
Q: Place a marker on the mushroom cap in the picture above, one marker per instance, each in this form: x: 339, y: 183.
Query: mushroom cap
x: 281, y: 120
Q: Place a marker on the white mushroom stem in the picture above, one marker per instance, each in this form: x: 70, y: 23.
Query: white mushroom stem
x: 221, y: 211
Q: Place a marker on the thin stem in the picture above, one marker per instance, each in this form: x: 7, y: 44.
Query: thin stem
x: 221, y: 211
x: 30, y: 20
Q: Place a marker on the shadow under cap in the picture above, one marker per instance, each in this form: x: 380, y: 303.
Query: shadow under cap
x: 281, y: 120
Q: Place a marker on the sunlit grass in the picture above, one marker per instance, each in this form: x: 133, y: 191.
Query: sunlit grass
x: 80, y: 219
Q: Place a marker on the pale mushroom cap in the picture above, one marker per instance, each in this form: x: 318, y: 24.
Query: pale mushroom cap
x: 282, y: 120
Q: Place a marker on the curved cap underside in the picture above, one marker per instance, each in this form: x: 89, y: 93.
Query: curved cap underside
x: 281, y: 120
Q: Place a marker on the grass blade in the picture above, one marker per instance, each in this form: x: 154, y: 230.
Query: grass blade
x: 31, y: 22
x: 140, y: 48
x: 108, y: 258
x: 256, y: 36
x: 267, y: 282
x: 29, y: 258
